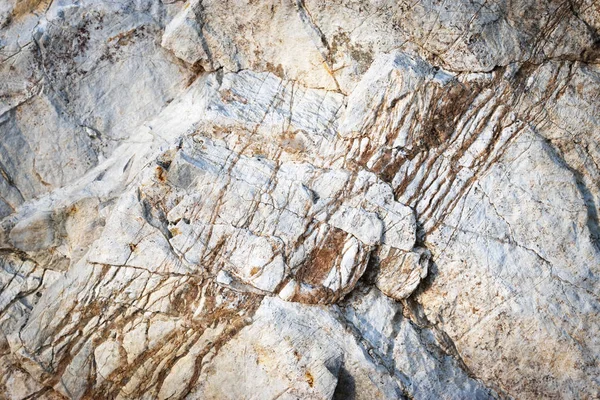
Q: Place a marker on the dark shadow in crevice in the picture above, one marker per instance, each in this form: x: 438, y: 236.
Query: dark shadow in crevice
x: 346, y: 386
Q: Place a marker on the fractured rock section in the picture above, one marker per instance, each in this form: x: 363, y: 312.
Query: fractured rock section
x: 290, y: 226
x: 299, y: 199
x: 276, y: 228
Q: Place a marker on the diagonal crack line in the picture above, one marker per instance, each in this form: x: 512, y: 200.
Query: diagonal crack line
x: 318, y: 39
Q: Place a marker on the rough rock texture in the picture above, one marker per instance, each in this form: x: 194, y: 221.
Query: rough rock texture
x: 299, y: 199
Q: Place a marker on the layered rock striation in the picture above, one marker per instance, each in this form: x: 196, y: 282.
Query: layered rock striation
x: 299, y: 199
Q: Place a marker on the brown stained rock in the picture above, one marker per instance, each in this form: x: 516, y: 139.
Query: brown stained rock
x: 401, y: 272
x: 322, y: 258
x: 300, y: 199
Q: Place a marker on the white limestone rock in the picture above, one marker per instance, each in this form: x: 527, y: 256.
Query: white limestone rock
x: 299, y: 199
x: 401, y: 272
x: 184, y: 37
x: 71, y: 68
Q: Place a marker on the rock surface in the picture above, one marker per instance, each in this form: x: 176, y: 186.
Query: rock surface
x: 299, y: 199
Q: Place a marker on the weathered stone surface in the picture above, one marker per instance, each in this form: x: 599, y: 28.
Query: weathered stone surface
x: 401, y: 272
x: 75, y: 80
x: 299, y: 199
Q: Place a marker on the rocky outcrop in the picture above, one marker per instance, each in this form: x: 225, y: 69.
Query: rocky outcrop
x: 299, y: 199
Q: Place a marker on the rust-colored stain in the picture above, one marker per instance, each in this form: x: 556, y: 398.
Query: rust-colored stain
x: 161, y: 174
x: 322, y: 258
x: 309, y: 379
x: 229, y: 96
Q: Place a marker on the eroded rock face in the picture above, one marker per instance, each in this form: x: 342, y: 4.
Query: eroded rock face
x: 299, y: 199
